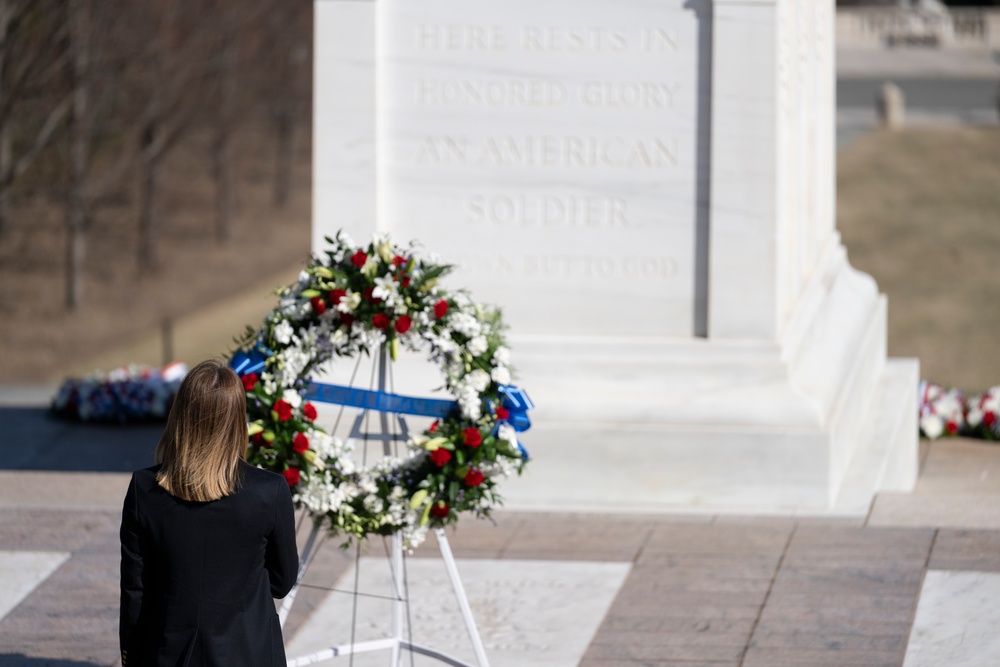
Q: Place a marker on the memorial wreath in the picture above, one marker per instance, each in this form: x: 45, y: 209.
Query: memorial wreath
x: 366, y: 300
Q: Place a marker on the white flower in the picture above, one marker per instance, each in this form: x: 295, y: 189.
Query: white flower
x: 466, y: 324
x: 384, y: 250
x: 507, y: 432
x: 500, y: 375
x: 385, y: 289
x: 370, y: 267
x: 349, y: 302
x: 291, y: 397
x: 502, y: 356
x: 477, y: 346
x: 975, y: 417
x: 283, y: 332
x: 478, y: 380
x: 373, y: 504
x: 933, y: 426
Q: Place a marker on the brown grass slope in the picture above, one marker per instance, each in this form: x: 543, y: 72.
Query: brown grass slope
x: 920, y: 211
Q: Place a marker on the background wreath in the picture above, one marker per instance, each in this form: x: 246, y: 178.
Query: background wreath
x: 361, y: 300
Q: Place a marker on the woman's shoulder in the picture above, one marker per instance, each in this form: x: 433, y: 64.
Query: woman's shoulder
x: 146, y: 477
x: 254, y: 476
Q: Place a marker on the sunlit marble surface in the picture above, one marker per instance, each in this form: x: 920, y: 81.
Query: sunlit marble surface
x: 529, y: 613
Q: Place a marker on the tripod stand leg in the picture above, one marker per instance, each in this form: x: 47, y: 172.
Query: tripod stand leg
x: 396, y: 563
x: 463, y: 601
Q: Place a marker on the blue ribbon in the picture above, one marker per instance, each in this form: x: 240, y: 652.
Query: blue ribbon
x: 515, y: 400
x: 379, y: 400
x: 251, y: 361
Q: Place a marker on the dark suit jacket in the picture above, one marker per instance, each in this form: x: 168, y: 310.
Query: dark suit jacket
x: 197, y: 579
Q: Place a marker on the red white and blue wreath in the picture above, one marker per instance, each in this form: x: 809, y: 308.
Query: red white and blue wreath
x: 352, y: 301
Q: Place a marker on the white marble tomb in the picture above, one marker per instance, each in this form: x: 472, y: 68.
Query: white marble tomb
x: 647, y: 189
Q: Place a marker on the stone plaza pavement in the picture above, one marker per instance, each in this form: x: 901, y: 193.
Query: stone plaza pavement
x: 701, y: 590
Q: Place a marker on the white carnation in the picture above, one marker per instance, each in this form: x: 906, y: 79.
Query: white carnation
x: 502, y: 356
x: 477, y: 346
x: 373, y: 504
x: 478, y: 380
x: 500, y: 375
x: 465, y: 324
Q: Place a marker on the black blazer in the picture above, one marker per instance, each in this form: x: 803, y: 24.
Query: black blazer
x: 197, y: 579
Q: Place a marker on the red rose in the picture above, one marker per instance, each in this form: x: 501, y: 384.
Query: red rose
x: 380, y: 321
x: 502, y: 412
x: 249, y: 381
x: 989, y: 418
x: 398, y: 260
x: 347, y: 319
x: 367, y: 294
x: 403, y: 324
x: 433, y: 428
x: 440, y: 456
x: 439, y: 510
x: 405, y: 282
x: 951, y: 427
x: 473, y: 477
x: 319, y: 306
x: 359, y: 258
x: 336, y: 295
x: 440, y: 309
x: 472, y: 437
x: 283, y: 409
x: 309, y: 411
x: 300, y: 443
x: 257, y: 439
x: 291, y: 476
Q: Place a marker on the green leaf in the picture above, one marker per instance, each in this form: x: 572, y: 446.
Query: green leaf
x: 309, y: 293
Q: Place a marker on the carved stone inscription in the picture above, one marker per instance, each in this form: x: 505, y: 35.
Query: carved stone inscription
x: 548, y: 147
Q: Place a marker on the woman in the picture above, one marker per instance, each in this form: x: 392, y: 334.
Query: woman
x: 207, y: 539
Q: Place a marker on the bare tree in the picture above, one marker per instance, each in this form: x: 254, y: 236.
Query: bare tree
x: 167, y: 78
x: 286, y: 89
x: 78, y: 18
x: 31, y: 58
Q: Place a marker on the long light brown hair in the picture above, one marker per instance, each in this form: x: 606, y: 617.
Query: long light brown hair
x: 206, y: 435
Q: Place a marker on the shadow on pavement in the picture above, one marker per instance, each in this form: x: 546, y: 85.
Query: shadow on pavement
x: 20, y: 660
x: 33, y: 439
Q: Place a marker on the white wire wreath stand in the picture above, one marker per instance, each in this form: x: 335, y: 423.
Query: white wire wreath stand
x: 396, y: 643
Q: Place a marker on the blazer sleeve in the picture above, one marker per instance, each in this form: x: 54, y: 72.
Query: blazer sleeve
x: 131, y: 573
x: 282, y: 555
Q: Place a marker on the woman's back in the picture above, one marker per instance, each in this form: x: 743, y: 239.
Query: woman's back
x: 209, y: 572
x: 198, y: 577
